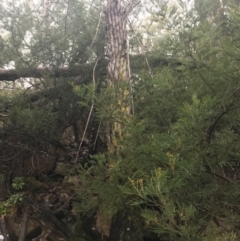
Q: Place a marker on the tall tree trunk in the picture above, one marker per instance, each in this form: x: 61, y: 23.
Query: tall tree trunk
x: 118, y: 66
x: 126, y: 224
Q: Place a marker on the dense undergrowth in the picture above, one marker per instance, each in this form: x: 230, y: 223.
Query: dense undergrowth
x: 179, y: 159
x: 177, y: 162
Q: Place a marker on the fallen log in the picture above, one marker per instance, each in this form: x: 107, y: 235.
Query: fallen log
x: 14, y: 74
x: 76, y: 70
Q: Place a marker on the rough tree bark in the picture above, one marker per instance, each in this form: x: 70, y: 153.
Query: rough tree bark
x: 118, y: 65
x: 118, y: 68
x: 125, y: 223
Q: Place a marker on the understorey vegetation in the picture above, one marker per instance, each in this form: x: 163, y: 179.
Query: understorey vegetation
x: 170, y: 172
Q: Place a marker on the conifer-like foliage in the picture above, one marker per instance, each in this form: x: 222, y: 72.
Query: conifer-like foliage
x: 178, y: 160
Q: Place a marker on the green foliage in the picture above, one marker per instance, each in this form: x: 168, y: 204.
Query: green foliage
x: 18, y: 183
x: 179, y: 159
x: 40, y: 114
x: 11, y: 201
x: 41, y: 120
x: 33, y: 121
x: 30, y: 38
